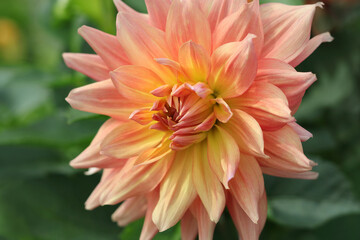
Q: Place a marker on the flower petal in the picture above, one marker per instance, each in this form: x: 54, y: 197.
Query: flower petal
x: 247, y: 187
x: 223, y: 154
x: 286, y: 29
x: 130, y: 210
x: 285, y: 151
x: 89, y: 64
x: 177, y: 192
x: 266, y: 103
x: 302, y: 132
x: 187, y: 22
x: 188, y: 226
x: 91, y: 156
x: 122, y: 7
x: 238, y: 25
x: 158, y: 11
x: 222, y: 110
x: 149, y: 229
x: 194, y: 61
x: 130, y: 139
x: 138, y: 38
x: 102, y: 98
x: 246, y: 228
x: 247, y: 133
x: 136, y: 83
x: 206, y: 227
x: 207, y: 185
x: 234, y: 67
x: 311, y: 46
x: 106, y: 46
x: 287, y: 174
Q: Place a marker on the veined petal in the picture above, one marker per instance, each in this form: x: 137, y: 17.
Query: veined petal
x: 206, y: 183
x: 130, y: 210
x: 91, y: 156
x: 222, y: 110
x: 285, y: 151
x: 149, y: 229
x: 102, y: 98
x: 158, y: 11
x: 138, y: 38
x: 266, y: 103
x: 154, y: 154
x: 247, y: 187
x: 223, y: 154
x: 187, y: 22
x: 106, y: 46
x: 308, y: 175
x: 122, y: 7
x: 89, y: 64
x: 238, y: 25
x: 206, y: 227
x: 177, y: 192
x: 286, y: 29
x: 234, y: 67
x: 246, y: 228
x: 129, y: 140
x: 285, y: 77
x: 188, y: 226
x: 194, y: 61
x: 311, y: 46
x: 247, y: 133
x: 136, y: 83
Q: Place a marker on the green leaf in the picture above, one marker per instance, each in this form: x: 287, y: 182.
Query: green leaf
x: 309, y: 204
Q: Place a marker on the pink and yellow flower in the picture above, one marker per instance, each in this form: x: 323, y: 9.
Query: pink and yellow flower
x: 201, y: 96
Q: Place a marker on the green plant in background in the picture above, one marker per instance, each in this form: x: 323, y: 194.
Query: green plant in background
x: 41, y: 197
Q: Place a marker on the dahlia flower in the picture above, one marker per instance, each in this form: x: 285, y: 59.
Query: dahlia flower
x: 201, y: 96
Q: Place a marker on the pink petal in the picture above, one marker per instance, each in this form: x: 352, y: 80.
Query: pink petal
x: 247, y: 133
x: 238, y: 25
x: 206, y: 183
x: 122, y: 7
x: 142, y: 116
x: 223, y: 154
x: 130, y: 210
x: 106, y: 46
x: 222, y: 110
x: 102, y: 98
x: 302, y: 132
x: 247, y: 187
x: 266, y: 103
x: 188, y: 226
x: 246, y: 228
x: 149, y: 229
x: 234, y: 68
x: 311, y: 46
x: 89, y: 64
x: 287, y: 174
x: 206, y: 227
x: 286, y: 29
x: 91, y: 156
x: 158, y: 11
x: 194, y: 61
x: 187, y: 22
x: 177, y: 192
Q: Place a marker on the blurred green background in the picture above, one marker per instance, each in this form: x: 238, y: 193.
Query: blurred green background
x: 42, y: 198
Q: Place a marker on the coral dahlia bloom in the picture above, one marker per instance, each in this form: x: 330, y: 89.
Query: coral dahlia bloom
x: 201, y: 97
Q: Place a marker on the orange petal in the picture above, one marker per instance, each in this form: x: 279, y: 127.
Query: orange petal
x: 122, y: 7
x: 222, y: 110
x: 102, y: 98
x: 286, y: 29
x: 177, y: 192
x: 207, y: 185
x: 130, y: 210
x: 154, y: 154
x: 234, y: 67
x: 266, y: 103
x: 285, y: 77
x: 206, y: 227
x: 142, y: 116
x: 138, y: 38
x: 309, y: 175
x: 129, y: 140
x: 302, y: 132
x: 158, y: 11
x: 194, y: 61
x: 247, y: 187
x: 223, y: 154
x: 89, y: 64
x: 136, y: 83
x: 91, y: 156
x: 247, y: 133
x: 246, y: 228
x: 238, y: 25
x: 149, y: 229
x: 311, y: 46
x: 285, y: 151
x: 187, y: 22
x: 188, y: 226
x: 106, y: 46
